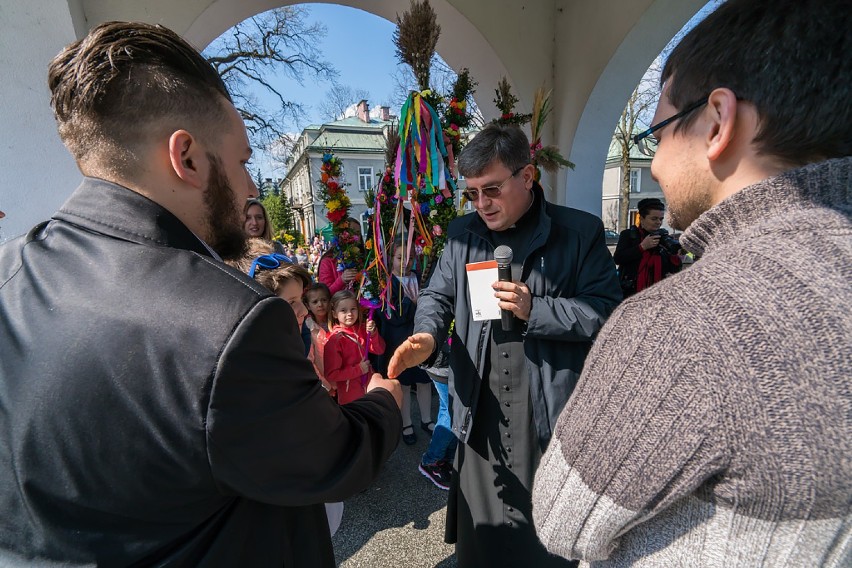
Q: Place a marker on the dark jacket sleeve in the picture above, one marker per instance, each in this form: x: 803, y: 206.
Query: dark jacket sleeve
x: 627, y: 250
x: 435, y: 303
x: 273, y: 433
x: 597, y: 294
x: 404, y: 308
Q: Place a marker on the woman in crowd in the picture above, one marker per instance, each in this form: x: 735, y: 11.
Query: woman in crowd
x: 328, y: 273
x: 257, y: 225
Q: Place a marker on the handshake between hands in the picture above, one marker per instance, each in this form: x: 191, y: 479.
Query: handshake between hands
x: 413, y: 351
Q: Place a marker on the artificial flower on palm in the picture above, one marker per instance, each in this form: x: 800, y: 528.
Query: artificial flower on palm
x: 332, y: 190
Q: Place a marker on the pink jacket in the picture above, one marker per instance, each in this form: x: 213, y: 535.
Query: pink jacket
x: 329, y: 275
x: 319, y: 337
x: 344, y: 351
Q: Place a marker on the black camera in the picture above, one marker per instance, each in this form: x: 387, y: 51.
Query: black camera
x: 667, y: 243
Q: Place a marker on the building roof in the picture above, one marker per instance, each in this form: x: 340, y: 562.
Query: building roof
x: 355, y: 121
x: 614, y: 153
x: 348, y: 142
x: 352, y: 135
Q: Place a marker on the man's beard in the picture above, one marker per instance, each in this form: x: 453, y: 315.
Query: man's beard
x: 681, y: 215
x: 224, y: 218
x: 688, y: 203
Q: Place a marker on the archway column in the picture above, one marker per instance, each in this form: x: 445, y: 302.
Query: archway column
x: 595, y: 86
x: 37, y: 173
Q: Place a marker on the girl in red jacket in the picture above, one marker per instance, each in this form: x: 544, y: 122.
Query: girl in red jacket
x: 345, y: 358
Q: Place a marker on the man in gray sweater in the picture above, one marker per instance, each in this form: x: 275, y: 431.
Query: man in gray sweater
x: 712, y: 424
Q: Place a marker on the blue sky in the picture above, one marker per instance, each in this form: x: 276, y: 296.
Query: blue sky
x: 360, y: 46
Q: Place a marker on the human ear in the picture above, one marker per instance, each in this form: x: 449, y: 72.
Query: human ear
x: 186, y: 157
x: 528, y: 174
x: 722, y: 106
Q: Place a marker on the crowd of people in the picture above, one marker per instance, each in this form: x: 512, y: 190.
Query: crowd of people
x: 343, y: 346
x: 178, y: 389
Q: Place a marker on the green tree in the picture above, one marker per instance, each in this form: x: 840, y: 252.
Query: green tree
x: 258, y: 183
x: 280, y: 213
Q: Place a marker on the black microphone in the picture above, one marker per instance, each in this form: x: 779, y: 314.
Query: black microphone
x: 503, y: 256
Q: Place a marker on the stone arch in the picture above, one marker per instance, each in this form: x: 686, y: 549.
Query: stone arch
x: 593, y: 133
x: 461, y: 44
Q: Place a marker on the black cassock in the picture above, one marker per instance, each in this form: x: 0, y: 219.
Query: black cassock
x: 489, y: 512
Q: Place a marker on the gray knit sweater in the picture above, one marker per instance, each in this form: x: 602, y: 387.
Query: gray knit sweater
x: 712, y: 425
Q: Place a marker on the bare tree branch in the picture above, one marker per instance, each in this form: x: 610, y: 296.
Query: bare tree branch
x: 635, y: 117
x: 277, y: 43
x: 338, y: 99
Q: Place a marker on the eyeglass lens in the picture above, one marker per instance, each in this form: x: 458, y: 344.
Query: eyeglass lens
x: 489, y: 192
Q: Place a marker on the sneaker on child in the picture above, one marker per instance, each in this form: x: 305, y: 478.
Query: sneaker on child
x: 438, y: 473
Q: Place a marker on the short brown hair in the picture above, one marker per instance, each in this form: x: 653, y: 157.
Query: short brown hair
x: 504, y: 143
x: 789, y: 58
x: 273, y: 279
x: 125, y: 82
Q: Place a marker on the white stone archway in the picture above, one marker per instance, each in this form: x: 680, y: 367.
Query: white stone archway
x: 591, y: 52
x: 593, y: 129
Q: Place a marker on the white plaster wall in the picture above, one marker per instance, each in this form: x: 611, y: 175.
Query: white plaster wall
x: 36, y: 172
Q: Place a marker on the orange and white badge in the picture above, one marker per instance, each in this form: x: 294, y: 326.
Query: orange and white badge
x: 480, y: 277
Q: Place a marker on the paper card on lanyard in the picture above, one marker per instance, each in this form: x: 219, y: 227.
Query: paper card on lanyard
x: 480, y: 277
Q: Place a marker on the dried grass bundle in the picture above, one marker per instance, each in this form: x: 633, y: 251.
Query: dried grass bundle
x: 415, y: 37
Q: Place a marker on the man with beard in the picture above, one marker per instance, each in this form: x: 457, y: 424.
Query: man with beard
x: 157, y: 407
x: 712, y: 425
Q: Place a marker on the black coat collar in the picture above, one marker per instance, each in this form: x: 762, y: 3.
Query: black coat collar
x: 113, y: 210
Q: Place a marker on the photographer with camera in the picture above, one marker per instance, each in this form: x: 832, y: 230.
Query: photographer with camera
x: 646, y: 254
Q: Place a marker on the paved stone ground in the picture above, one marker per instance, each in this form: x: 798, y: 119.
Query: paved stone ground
x: 399, y: 520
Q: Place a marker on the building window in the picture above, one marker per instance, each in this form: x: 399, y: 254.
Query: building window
x: 365, y: 179
x: 635, y: 181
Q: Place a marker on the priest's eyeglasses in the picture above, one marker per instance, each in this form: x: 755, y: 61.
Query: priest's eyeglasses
x: 491, y: 191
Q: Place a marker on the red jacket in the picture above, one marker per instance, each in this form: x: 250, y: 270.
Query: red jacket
x: 328, y: 274
x: 344, y: 351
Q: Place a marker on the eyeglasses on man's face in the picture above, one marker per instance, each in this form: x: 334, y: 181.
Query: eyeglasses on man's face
x: 491, y: 191
x: 268, y: 261
x: 646, y: 142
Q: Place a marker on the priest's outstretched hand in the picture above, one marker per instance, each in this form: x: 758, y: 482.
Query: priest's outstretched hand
x: 413, y: 351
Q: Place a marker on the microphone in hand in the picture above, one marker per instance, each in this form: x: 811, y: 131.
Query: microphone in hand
x: 503, y: 256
